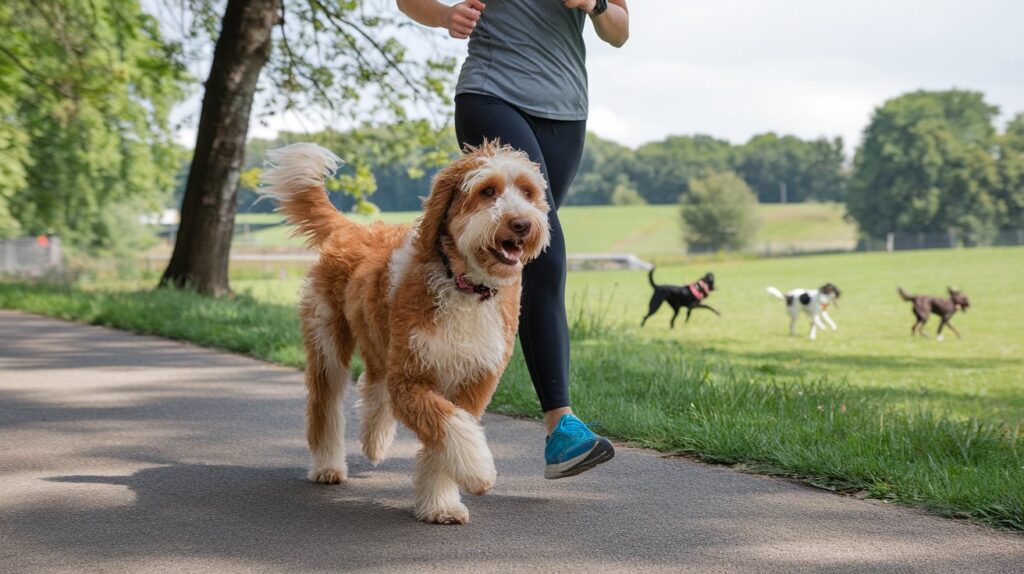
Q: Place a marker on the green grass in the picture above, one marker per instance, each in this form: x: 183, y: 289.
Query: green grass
x: 865, y: 409
x: 648, y: 230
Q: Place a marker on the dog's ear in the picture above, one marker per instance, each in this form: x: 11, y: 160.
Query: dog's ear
x: 447, y: 183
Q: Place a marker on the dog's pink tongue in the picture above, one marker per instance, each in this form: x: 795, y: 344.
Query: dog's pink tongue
x: 512, y: 253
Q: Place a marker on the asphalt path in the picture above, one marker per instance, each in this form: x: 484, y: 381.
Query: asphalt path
x: 124, y: 453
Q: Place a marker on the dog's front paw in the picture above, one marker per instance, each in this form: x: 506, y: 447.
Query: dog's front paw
x: 328, y: 475
x: 456, y: 513
x: 480, y: 485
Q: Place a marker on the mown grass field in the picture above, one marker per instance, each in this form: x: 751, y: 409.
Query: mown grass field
x: 647, y: 230
x: 865, y: 409
x: 981, y: 375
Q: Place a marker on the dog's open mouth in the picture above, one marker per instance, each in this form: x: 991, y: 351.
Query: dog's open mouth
x: 508, y: 252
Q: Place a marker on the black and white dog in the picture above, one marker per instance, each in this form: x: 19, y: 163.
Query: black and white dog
x: 814, y: 302
x: 690, y: 296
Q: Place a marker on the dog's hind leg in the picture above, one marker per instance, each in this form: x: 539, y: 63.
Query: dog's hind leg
x: 920, y: 327
x: 656, y: 300
x: 675, y: 313
x: 329, y: 346
x: 378, y: 422
x: 792, y: 324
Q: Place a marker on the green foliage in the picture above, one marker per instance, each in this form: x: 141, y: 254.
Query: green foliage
x: 346, y: 62
x: 719, y: 212
x: 927, y: 164
x: 659, y: 171
x: 810, y: 170
x: 663, y: 169
x: 85, y: 92
x: 388, y: 165
x: 1011, y: 172
x: 13, y: 139
x: 603, y: 165
x: 625, y: 192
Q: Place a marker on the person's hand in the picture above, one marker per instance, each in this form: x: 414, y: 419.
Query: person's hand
x: 585, y: 5
x: 461, y: 18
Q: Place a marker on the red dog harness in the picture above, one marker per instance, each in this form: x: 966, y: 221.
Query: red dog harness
x: 699, y: 289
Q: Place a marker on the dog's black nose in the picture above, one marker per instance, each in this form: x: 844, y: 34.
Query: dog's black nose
x: 520, y: 226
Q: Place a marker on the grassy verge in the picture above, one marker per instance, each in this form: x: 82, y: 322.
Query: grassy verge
x: 657, y: 394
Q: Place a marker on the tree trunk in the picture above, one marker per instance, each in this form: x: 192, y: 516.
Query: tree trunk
x: 203, y: 243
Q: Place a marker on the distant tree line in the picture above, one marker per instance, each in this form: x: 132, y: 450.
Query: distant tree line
x: 929, y: 162
x: 660, y: 172
x: 609, y: 173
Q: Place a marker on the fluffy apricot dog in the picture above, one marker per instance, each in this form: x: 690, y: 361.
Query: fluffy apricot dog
x: 433, y: 309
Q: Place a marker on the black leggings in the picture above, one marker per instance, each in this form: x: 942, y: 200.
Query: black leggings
x: 557, y: 146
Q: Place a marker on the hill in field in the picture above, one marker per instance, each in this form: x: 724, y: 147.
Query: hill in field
x: 646, y: 230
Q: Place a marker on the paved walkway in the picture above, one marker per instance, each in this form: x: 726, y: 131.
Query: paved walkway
x: 121, y: 453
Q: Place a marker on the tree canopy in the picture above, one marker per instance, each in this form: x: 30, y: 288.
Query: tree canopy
x: 931, y: 161
x: 85, y: 91
x: 347, y: 58
x: 807, y: 170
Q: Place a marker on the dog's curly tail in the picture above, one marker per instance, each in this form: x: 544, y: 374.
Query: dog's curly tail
x: 650, y: 277
x: 775, y: 293
x: 295, y: 178
x: 903, y: 294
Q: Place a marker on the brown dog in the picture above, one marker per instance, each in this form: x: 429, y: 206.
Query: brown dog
x: 925, y: 305
x: 433, y: 309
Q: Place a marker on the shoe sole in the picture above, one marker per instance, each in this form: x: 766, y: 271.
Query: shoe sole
x: 603, y: 451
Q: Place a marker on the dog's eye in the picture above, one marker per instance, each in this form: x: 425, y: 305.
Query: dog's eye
x: 488, y: 192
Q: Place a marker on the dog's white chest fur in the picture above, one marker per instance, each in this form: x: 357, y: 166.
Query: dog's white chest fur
x: 467, y: 339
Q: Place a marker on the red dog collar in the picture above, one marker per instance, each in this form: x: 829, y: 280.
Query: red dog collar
x: 699, y: 289
x: 467, y: 286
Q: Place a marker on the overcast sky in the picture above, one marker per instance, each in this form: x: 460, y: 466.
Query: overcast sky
x: 734, y: 68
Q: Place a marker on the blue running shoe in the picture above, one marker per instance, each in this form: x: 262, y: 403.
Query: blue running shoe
x: 573, y: 448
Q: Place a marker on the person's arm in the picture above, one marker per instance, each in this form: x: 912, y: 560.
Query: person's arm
x: 459, y: 19
x: 612, y: 25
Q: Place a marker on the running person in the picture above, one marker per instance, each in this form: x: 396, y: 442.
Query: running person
x: 524, y: 82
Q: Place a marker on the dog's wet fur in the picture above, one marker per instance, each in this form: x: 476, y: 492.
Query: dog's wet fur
x: 679, y: 296
x: 925, y: 305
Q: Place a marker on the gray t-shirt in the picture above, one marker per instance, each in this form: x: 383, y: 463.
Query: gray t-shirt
x: 529, y: 53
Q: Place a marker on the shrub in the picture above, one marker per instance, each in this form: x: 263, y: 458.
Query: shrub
x: 719, y: 212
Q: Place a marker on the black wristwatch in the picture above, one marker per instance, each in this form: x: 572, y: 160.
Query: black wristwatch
x: 599, y: 8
